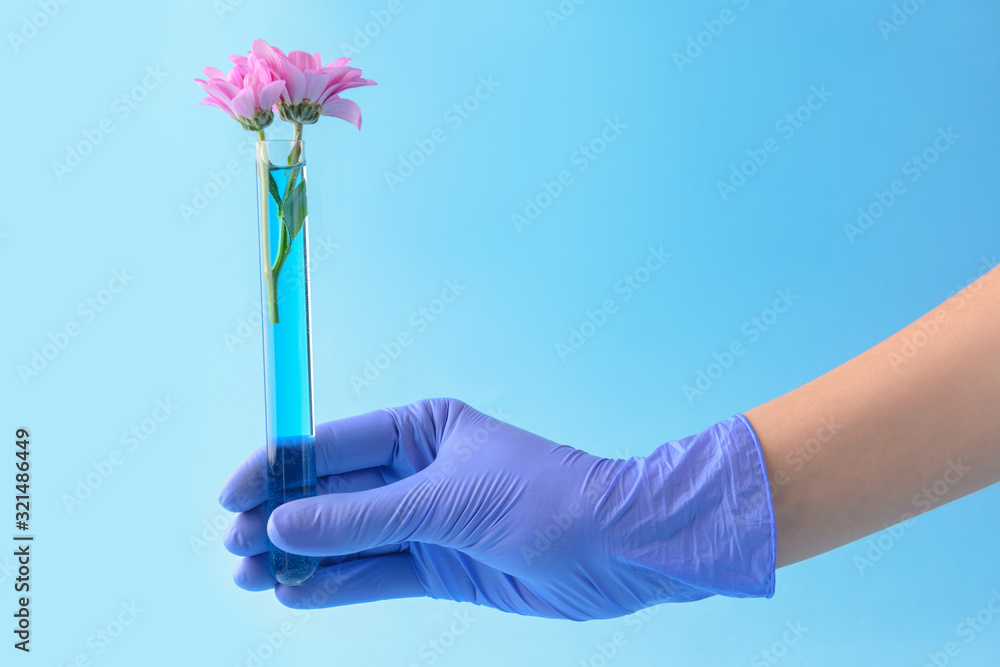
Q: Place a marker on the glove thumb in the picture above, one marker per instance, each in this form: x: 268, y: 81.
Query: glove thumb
x: 345, y: 523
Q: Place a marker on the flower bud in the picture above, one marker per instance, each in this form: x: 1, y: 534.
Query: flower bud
x: 305, y: 112
x: 260, y: 120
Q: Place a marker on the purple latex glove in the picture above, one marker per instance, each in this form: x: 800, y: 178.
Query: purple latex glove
x: 437, y: 499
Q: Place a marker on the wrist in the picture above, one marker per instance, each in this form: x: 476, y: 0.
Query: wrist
x: 712, y: 525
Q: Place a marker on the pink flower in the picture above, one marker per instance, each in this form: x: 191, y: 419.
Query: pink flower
x: 247, y: 93
x: 311, y: 88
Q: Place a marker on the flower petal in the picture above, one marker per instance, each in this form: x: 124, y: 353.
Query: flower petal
x: 338, y: 74
x: 270, y: 93
x: 243, y: 104
x: 301, y: 59
x: 212, y: 102
x: 264, y: 70
x: 225, y: 88
x: 237, y: 75
x: 282, y: 68
x: 295, y: 82
x: 335, y: 89
x: 256, y: 80
x: 316, y: 83
x: 213, y: 73
x: 345, y: 109
x: 215, y: 93
x: 269, y: 54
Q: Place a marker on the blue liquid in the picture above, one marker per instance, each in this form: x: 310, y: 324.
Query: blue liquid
x: 291, y: 474
x: 291, y: 448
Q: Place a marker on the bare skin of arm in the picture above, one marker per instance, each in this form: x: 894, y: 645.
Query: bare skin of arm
x: 906, y: 426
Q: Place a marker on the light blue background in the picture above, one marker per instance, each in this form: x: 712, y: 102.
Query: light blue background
x: 164, y: 335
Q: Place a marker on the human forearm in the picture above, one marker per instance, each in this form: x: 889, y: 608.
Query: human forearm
x: 860, y: 447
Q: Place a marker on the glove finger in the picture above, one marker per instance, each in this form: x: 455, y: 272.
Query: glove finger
x: 343, y: 523
x: 404, y: 439
x: 344, y: 445
x: 247, y: 534
x: 247, y: 488
x: 254, y: 574
x: 355, y: 443
x: 406, y: 435
x: 353, y: 582
x: 349, y: 482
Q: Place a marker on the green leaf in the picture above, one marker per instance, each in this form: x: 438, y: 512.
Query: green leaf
x: 295, y: 210
x: 288, y: 238
x: 273, y: 187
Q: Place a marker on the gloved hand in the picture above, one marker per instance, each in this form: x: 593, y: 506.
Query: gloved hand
x: 437, y: 499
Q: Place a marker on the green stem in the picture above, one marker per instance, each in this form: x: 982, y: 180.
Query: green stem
x: 272, y: 300
x: 279, y: 257
x: 293, y: 158
x: 270, y: 278
x: 284, y: 243
x: 279, y: 262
